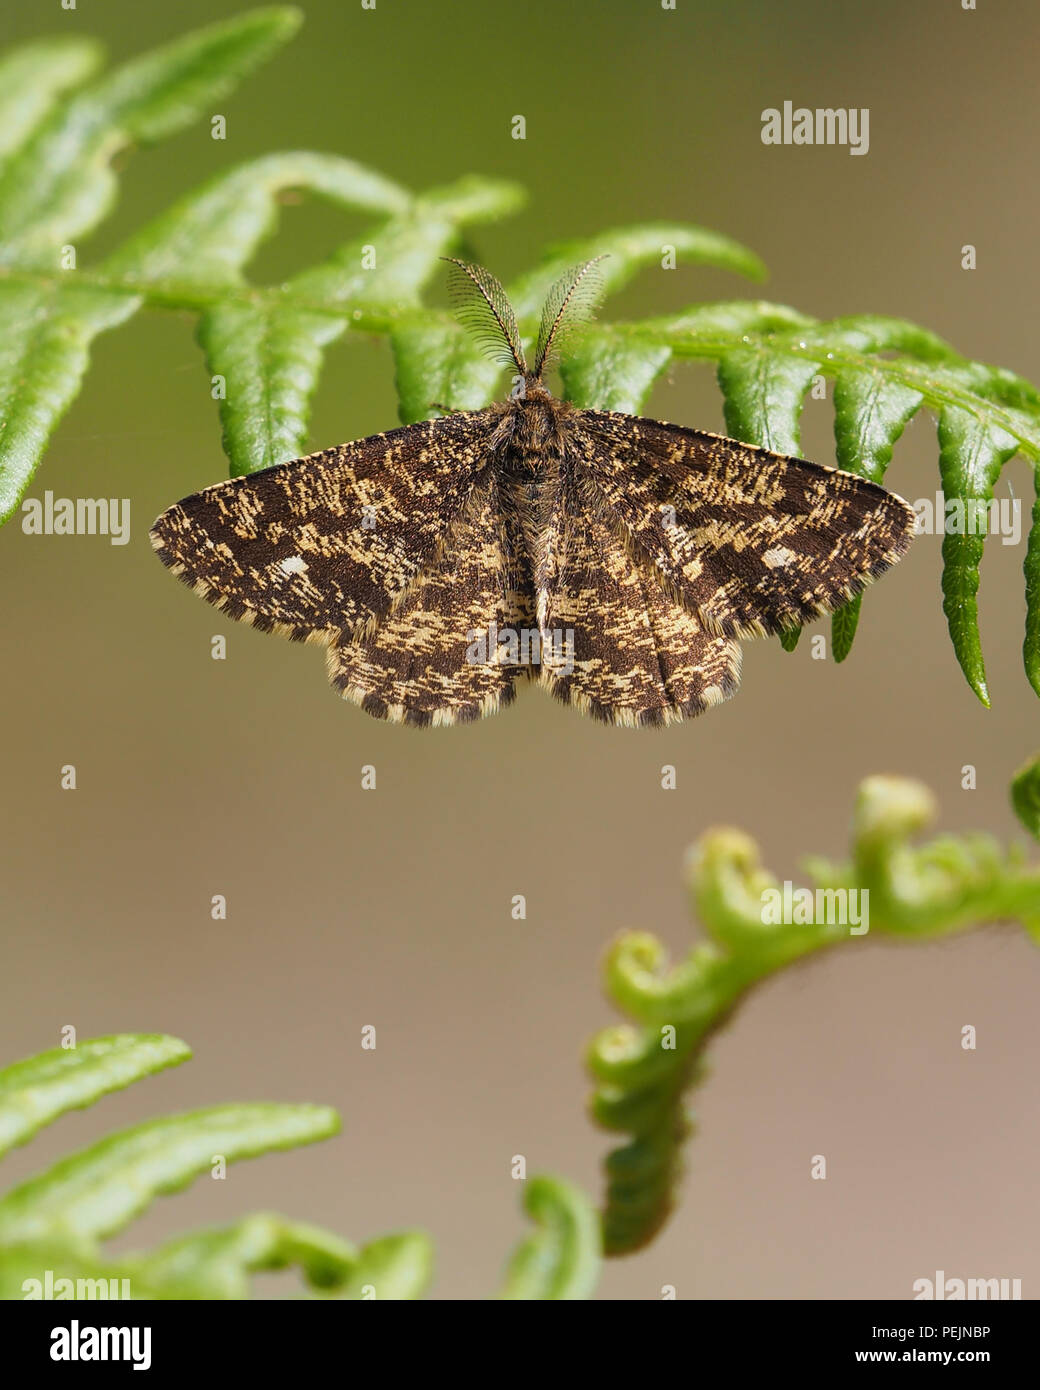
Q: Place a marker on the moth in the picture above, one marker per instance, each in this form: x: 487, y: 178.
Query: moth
x: 616, y: 560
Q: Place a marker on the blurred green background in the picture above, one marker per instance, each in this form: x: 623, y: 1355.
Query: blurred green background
x: 392, y: 908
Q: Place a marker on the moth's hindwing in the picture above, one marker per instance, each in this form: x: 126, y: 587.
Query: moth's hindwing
x: 326, y: 544
x: 751, y: 541
x: 448, y: 652
x: 614, y: 644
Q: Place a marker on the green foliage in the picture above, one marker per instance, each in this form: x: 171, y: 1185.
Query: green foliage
x: 1025, y: 796
x: 59, y: 1219
x: 947, y: 885
x: 60, y: 126
x: 266, y: 343
x: 99, y: 1190
x: 561, y: 1259
x: 35, y: 1092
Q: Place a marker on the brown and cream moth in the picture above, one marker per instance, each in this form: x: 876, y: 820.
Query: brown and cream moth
x: 617, y: 560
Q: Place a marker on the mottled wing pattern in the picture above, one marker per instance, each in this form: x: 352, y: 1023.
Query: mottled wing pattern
x: 752, y: 541
x: 444, y: 655
x: 614, y: 644
x: 328, y: 543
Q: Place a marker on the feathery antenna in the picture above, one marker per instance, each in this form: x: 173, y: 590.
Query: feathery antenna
x: 570, y: 301
x: 482, y: 307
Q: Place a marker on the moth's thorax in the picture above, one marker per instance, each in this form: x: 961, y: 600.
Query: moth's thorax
x: 532, y: 430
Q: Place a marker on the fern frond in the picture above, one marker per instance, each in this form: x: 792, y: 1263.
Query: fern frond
x: 644, y: 1069
x: 627, y: 251
x: 264, y: 347
x: 219, y: 1263
x: 52, y: 1226
x: 96, y: 1192
x: 57, y: 183
x: 34, y: 1093
x: 57, y: 1220
x: 561, y: 1259
x: 1025, y: 797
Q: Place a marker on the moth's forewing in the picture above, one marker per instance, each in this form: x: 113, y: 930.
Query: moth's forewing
x: 326, y: 544
x: 449, y: 652
x: 753, y: 542
x: 614, y: 644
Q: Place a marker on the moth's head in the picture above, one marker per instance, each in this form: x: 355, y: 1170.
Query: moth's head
x: 483, y: 307
x: 530, y: 388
